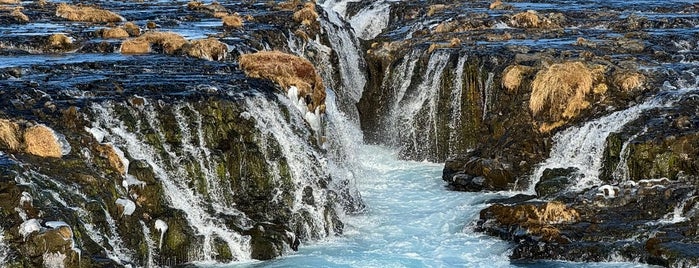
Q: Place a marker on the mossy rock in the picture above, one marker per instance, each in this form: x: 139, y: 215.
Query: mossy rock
x: 554, y: 181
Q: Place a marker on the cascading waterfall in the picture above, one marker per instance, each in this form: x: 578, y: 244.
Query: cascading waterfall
x: 456, y: 103
x: 350, y: 62
x: 425, y: 96
x: 621, y: 172
x: 173, y: 178
x: 293, y: 141
x: 371, y: 20
x: 583, y: 146
x: 4, y: 250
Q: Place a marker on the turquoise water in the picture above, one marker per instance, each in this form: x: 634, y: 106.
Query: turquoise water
x: 412, y: 220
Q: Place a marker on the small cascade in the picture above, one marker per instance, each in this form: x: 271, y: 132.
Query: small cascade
x: 301, y: 158
x: 173, y: 176
x: 583, y: 146
x: 621, y: 172
x: 151, y: 245
x: 4, y: 249
x: 371, y: 20
x: 456, y: 103
x: 161, y: 226
x: 350, y: 61
x: 421, y: 131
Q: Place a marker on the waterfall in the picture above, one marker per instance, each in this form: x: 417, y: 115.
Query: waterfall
x: 350, y: 62
x: 621, y: 172
x: 371, y: 20
x: 4, y: 250
x: 425, y: 96
x: 298, y: 152
x: 583, y: 146
x: 456, y: 103
x: 173, y: 177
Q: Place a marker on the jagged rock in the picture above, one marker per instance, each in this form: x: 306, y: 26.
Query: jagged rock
x: 554, y: 181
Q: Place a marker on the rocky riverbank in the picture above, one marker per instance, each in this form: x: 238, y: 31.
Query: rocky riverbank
x: 130, y: 134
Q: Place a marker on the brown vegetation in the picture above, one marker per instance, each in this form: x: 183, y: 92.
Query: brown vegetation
x: 10, y: 135
x: 629, y: 81
x: 41, y: 141
x: 288, y: 5
x: 9, y: 2
x: 561, y: 89
x: 212, y: 8
x: 208, y: 49
x: 107, y: 151
x: 307, y: 15
x: 435, y: 8
x: 537, y: 219
x: 286, y: 70
x: 169, y: 41
x: 113, y: 33
x: 232, y: 21
x: 135, y: 46
x: 18, y: 15
x: 86, y: 14
x: 59, y: 41
x: 529, y: 19
x: 512, y: 76
x: 132, y: 29
x: 497, y: 4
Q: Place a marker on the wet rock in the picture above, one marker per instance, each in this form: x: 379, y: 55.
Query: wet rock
x: 554, y: 181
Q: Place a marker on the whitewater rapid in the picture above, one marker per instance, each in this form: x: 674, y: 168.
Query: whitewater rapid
x: 411, y: 220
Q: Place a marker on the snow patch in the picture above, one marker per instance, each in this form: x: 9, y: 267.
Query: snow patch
x: 26, y: 198
x: 54, y: 260
x: 161, y: 226
x: 128, y: 205
x: 131, y: 180
x: 28, y: 227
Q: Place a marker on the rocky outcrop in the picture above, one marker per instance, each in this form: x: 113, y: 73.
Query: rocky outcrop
x: 183, y: 161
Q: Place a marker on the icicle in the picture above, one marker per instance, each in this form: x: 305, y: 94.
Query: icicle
x: 162, y: 227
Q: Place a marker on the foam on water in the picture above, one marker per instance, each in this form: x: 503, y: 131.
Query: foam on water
x: 371, y: 20
x: 582, y: 146
x: 4, y: 250
x: 174, y: 181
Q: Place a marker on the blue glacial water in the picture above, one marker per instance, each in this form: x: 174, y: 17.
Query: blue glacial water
x: 412, y: 220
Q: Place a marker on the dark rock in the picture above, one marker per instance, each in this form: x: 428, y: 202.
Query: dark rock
x: 554, y: 181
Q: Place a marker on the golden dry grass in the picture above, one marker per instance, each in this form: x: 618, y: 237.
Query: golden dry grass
x: 288, y: 5
x: 307, y: 15
x: 113, y: 33
x: 496, y: 4
x: 455, y: 42
x: 135, y: 46
x: 232, y: 21
x: 9, y: 2
x: 10, y: 135
x: 107, y: 151
x: 557, y: 212
x: 59, y: 41
x: 561, y: 90
x: 170, y: 42
x: 286, y: 70
x: 512, y: 76
x: 41, y: 141
x: 18, y: 15
x: 435, y: 8
x: 208, y: 49
x: 629, y: 81
x: 527, y: 19
x: 86, y: 14
x: 132, y: 29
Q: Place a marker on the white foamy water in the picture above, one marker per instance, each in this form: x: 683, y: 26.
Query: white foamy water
x: 582, y: 146
x: 174, y: 180
x: 412, y: 220
x: 371, y: 20
x: 4, y: 250
x: 350, y: 60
